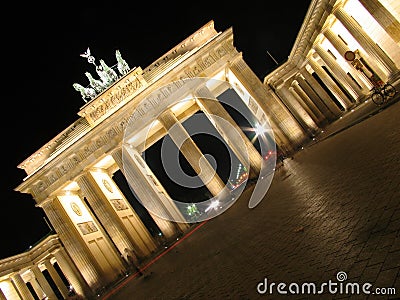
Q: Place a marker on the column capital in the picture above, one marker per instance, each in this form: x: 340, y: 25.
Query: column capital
x: 294, y: 84
x: 333, y: 8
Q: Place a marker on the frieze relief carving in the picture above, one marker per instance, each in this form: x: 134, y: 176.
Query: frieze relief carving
x: 52, y: 178
x: 75, y: 159
x: 98, y: 109
x: 119, y: 204
x: 111, y: 133
x: 87, y: 227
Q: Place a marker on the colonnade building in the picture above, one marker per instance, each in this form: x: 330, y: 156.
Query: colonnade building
x: 73, y: 176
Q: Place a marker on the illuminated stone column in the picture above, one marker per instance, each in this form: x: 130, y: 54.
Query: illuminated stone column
x: 300, y: 114
x: 3, y: 297
x: 298, y: 104
x: 73, y: 244
x: 214, y: 109
x: 326, y: 100
x: 191, y: 152
x: 367, y: 43
x: 342, y: 48
x: 338, y: 72
x: 282, y: 138
x: 285, y: 126
x: 43, y: 283
x: 9, y: 289
x: 316, y: 103
x: 57, y: 279
x: 37, y: 288
x: 332, y: 86
x: 135, y: 173
x: 72, y: 274
x: 307, y: 103
x: 21, y: 287
x: 387, y: 21
x: 142, y: 245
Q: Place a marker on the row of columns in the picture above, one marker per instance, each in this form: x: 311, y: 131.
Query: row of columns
x: 135, y: 171
x: 40, y: 285
x: 376, y: 58
x: 342, y: 48
x: 218, y: 115
x: 309, y: 101
x: 179, y: 135
x: 337, y: 92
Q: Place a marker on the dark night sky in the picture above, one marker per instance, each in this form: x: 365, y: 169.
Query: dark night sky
x: 42, y: 44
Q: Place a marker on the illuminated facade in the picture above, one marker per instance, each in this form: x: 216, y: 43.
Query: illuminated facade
x: 317, y: 82
x: 71, y: 177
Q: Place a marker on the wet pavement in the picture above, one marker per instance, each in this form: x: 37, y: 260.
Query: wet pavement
x: 330, y: 218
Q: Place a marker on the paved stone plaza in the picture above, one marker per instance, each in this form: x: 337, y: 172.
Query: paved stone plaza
x: 334, y: 207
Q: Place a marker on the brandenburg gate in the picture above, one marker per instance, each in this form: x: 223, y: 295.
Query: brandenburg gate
x: 71, y: 177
